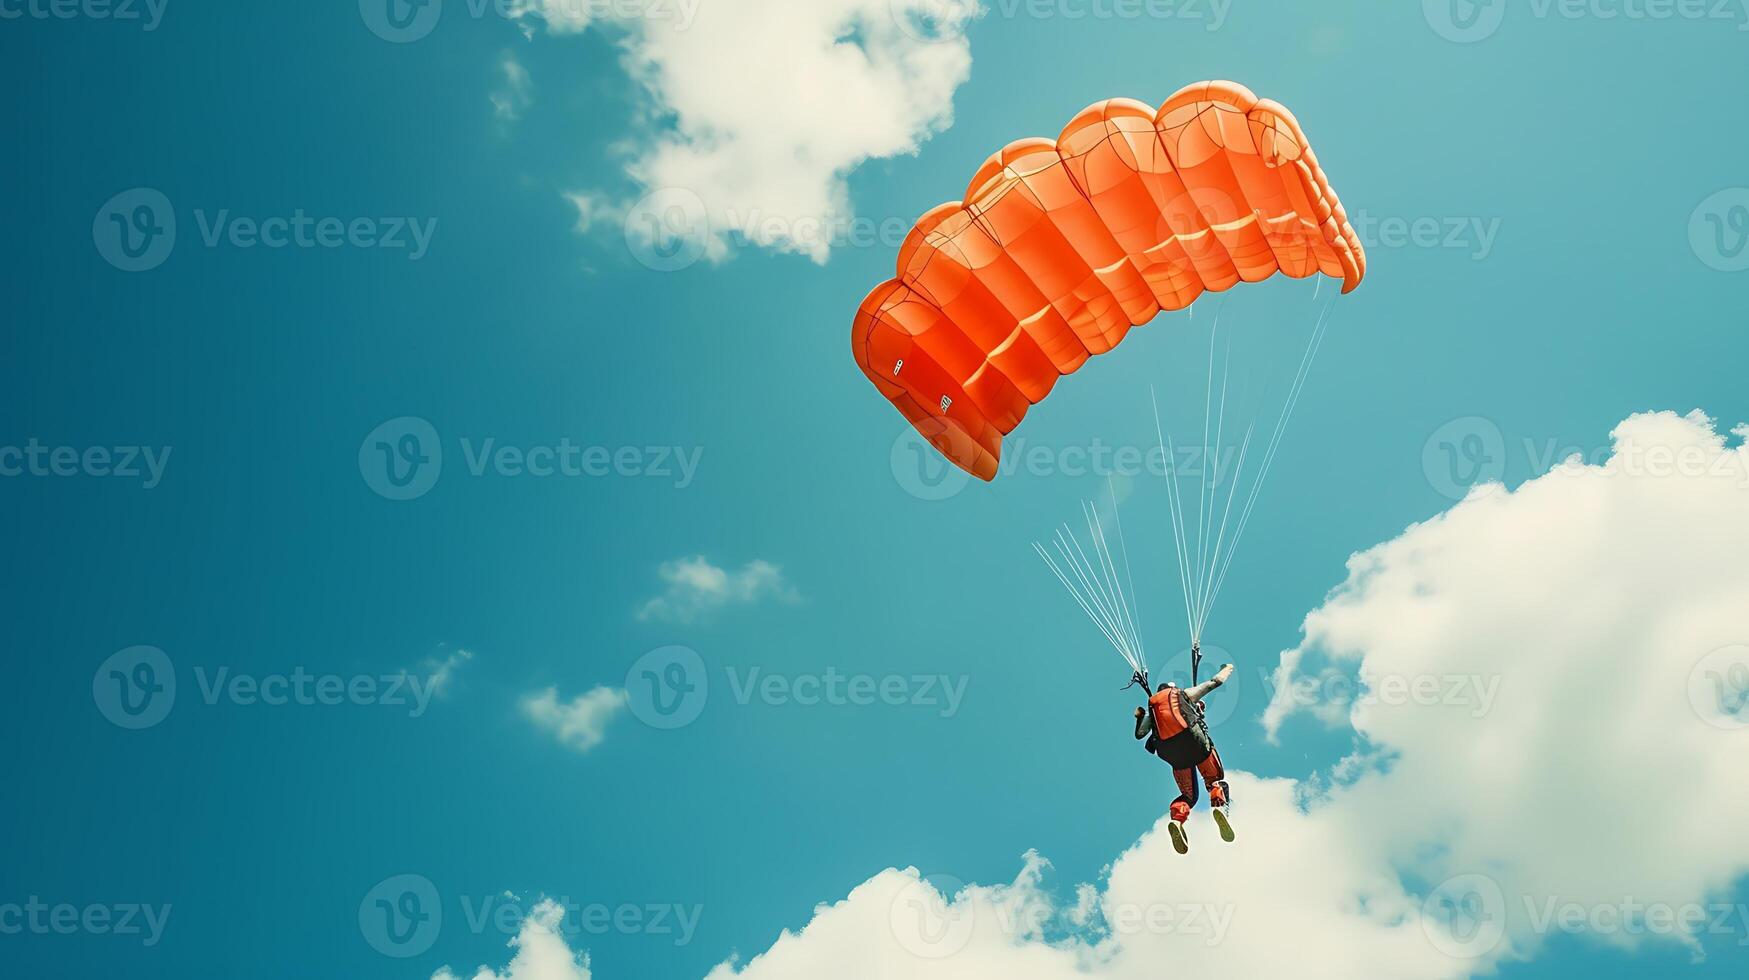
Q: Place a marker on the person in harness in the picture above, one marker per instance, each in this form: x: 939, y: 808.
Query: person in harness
x: 1178, y: 734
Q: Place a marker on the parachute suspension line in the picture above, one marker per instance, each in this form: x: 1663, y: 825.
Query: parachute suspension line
x: 1173, y: 508
x: 1084, y: 601
x: 1123, y: 546
x: 1089, y: 577
x: 1233, y: 484
x: 1095, y: 585
x: 1298, y: 387
x: 1211, y: 457
x: 1202, y: 470
x: 1126, y: 618
x: 1114, y: 584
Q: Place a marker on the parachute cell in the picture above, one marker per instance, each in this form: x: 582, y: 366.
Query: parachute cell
x: 1060, y: 247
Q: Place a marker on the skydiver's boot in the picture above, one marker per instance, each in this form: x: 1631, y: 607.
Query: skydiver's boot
x: 1222, y: 822
x: 1180, y: 842
x: 1219, y: 801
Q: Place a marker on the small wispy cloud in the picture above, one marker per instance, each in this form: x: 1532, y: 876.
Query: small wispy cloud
x: 579, y: 724
x: 696, y: 587
x: 589, y: 207
x: 440, y: 671
x: 512, y: 96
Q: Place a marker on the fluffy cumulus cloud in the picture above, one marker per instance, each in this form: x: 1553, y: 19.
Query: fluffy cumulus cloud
x: 1551, y: 732
x: 1605, y: 607
x: 579, y: 724
x: 760, y: 108
x: 694, y: 587
x: 541, y: 953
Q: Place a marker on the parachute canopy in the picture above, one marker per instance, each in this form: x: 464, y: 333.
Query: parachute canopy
x: 1060, y: 247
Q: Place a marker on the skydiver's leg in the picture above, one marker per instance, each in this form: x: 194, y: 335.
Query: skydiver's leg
x: 1215, y: 776
x: 1187, y: 794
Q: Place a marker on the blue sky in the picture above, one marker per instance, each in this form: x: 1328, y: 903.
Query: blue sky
x: 1552, y: 204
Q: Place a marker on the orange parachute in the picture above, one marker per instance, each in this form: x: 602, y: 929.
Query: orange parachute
x: 1060, y: 247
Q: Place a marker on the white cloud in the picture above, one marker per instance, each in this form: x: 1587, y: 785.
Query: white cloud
x: 764, y: 106
x: 580, y: 723
x: 1590, y: 597
x: 441, y: 672
x: 1604, y: 776
x: 541, y: 953
x: 513, y: 95
x: 589, y: 207
x: 696, y: 587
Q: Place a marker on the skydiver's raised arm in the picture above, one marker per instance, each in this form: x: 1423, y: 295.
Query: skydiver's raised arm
x: 1144, y: 723
x: 1202, y: 690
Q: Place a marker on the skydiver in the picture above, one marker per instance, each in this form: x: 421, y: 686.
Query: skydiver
x: 1178, y: 733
